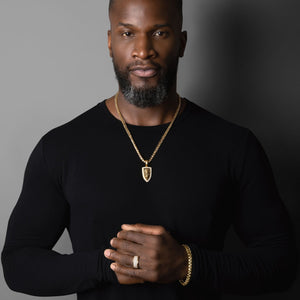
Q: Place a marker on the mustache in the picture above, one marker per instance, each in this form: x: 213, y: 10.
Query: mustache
x: 148, y: 63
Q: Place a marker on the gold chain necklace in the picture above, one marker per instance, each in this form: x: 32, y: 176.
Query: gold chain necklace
x: 146, y: 171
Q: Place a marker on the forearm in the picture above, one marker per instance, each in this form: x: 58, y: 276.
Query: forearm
x: 43, y: 272
x: 255, y: 271
x: 37, y: 221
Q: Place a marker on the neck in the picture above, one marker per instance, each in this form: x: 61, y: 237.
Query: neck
x: 148, y: 116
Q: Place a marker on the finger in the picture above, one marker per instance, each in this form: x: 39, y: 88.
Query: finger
x: 124, y: 279
x: 137, y: 273
x: 126, y: 252
x: 120, y: 258
x: 136, y: 237
x: 143, y: 228
x: 127, y: 246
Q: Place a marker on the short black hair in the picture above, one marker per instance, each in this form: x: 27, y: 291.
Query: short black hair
x: 178, y: 4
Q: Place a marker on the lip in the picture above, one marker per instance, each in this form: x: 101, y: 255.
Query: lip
x: 144, y: 72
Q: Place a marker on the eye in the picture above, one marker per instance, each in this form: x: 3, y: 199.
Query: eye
x: 126, y: 34
x: 160, y: 33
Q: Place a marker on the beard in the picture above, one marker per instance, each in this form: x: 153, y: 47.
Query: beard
x: 146, y: 96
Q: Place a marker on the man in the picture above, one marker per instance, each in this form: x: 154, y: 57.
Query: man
x: 147, y: 184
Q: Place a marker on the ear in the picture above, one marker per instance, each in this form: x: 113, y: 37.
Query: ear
x: 109, y: 42
x: 183, y: 41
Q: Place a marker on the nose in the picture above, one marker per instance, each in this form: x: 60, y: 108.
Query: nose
x: 143, y: 48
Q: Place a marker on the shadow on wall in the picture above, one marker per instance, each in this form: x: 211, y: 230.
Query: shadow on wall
x: 252, y: 74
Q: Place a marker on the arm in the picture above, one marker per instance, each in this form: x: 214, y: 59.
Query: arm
x: 161, y: 258
x: 40, y: 216
x: 261, y: 221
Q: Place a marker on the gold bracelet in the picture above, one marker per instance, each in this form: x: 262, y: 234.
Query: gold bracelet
x: 190, y: 260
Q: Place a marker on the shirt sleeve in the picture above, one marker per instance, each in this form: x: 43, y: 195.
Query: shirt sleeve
x: 38, y: 219
x: 268, y: 263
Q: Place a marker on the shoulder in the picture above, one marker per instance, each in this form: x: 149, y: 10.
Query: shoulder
x: 76, y: 128
x: 215, y: 129
x: 72, y: 135
x: 227, y: 142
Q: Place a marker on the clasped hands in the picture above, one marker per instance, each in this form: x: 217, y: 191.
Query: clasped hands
x: 161, y: 258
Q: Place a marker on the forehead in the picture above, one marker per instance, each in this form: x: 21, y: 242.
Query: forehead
x: 144, y: 13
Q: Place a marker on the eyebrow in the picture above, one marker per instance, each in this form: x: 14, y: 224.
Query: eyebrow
x: 156, y: 25
x: 162, y: 25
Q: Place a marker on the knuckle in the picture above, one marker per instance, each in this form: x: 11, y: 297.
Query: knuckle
x: 158, y: 241
x: 154, y: 277
x: 117, y: 268
x: 116, y: 256
x: 125, y: 245
x: 151, y: 253
x: 129, y: 261
x: 154, y: 254
x: 114, y: 242
x: 155, y: 265
x: 131, y: 235
x: 161, y: 230
x: 122, y: 234
x: 131, y: 272
x: 112, y: 255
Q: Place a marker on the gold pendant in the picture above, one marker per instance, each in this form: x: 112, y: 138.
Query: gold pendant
x: 147, y: 172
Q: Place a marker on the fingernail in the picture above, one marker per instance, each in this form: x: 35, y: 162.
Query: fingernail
x: 107, y: 253
x: 113, y: 266
x: 111, y: 241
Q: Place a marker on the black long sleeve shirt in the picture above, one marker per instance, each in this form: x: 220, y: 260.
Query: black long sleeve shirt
x: 208, y: 174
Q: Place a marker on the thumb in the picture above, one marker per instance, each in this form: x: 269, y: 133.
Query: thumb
x: 143, y: 228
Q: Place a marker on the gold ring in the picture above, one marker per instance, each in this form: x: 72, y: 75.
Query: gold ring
x: 135, y: 262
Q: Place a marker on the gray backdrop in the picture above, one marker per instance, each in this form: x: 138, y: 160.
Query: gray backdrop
x: 241, y: 62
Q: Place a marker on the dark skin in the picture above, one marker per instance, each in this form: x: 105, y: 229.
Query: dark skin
x: 161, y: 258
x: 146, y: 31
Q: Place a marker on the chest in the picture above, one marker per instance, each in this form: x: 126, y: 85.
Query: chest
x: 189, y: 192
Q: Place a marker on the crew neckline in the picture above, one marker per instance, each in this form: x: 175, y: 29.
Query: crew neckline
x: 179, y: 118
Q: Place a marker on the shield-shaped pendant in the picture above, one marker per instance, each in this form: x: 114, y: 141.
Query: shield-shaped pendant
x: 147, y: 173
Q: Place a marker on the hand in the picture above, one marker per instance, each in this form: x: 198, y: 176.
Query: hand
x: 124, y: 279
x: 161, y: 258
